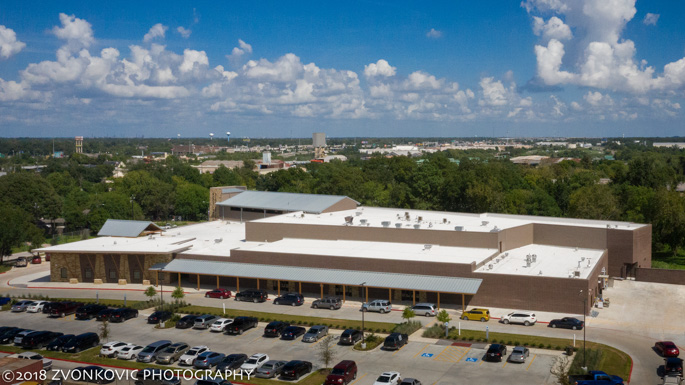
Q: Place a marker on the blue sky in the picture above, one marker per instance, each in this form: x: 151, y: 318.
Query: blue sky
x: 394, y: 68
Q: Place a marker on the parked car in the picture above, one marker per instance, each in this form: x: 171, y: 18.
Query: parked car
x: 123, y: 314
x: 567, y: 323
x: 519, y: 354
x: 410, y: 381
x: 130, y: 352
x: 425, y: 309
x: 388, y: 378
x: 20, y: 337
x: 496, y: 352
x: 7, y: 336
x: 292, y: 332
x: 47, y: 363
x: 271, y: 369
x: 81, y: 342
x: 379, y: 305
x: 295, y: 369
x: 93, y: 373
x: 395, y: 341
x: 111, y: 349
x: 350, y: 337
x: 332, y: 303
x: 47, y: 257
x: 38, y: 340
x: 204, y: 321
x: 595, y: 377
x: 36, y: 260
x: 21, y: 306
x: 105, y: 314
x: 21, y: 262
x: 519, y: 317
x: 672, y: 379
x: 48, y: 307
x: 232, y: 362
x: 64, y: 308
x: 5, y: 300
x: 476, y: 314
x: 342, y: 374
x: 667, y: 349
x: 159, y: 316
x: 89, y: 311
x: 673, y: 365
x: 218, y: 293
x: 155, y: 376
x: 254, y: 362
x: 59, y: 342
x: 208, y: 359
x: 315, y: 332
x: 186, y: 322
x: 149, y: 354
x: 252, y: 296
x: 241, y: 324
x: 220, y: 324
x: 275, y: 328
x: 172, y: 353
x: 189, y: 357
x: 292, y: 299
x: 36, y: 307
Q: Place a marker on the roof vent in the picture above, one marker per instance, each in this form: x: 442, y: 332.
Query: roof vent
x: 406, y: 215
x: 385, y: 223
x: 420, y: 219
x: 459, y: 228
x: 417, y: 226
x: 582, y: 258
x: 430, y: 224
x: 115, y: 242
x: 444, y: 220
x: 218, y: 240
x: 489, y: 266
x: 362, y: 221
x: 398, y: 225
x: 349, y: 219
x: 534, y: 258
x: 357, y: 213
x: 589, y: 262
x: 427, y: 247
x: 494, y: 229
x: 576, y: 274
x: 608, y: 226
x: 540, y: 273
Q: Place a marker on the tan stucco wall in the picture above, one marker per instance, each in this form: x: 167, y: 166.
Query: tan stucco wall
x: 76, y: 264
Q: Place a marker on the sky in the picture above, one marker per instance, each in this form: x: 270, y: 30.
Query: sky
x: 564, y: 68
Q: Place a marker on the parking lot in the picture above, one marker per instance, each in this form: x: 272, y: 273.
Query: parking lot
x: 429, y: 362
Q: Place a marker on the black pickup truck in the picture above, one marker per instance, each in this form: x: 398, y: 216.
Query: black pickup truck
x: 395, y: 341
x: 240, y: 324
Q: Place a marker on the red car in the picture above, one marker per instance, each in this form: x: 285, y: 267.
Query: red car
x: 667, y: 349
x: 218, y: 293
x: 36, y: 260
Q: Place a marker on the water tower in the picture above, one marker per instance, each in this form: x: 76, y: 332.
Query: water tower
x: 228, y: 136
x: 211, y: 136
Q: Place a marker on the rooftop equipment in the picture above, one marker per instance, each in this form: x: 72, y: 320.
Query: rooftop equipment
x: 459, y: 228
x: 385, y: 223
x: 398, y: 225
x: 417, y: 226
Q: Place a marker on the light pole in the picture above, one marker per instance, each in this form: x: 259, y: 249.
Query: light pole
x: 363, y: 311
x: 133, y: 197
x: 584, y: 327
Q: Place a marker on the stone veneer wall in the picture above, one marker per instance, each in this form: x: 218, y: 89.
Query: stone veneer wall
x: 77, y: 263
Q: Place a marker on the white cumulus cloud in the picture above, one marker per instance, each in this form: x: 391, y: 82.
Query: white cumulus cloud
x: 184, y: 32
x: 379, y: 68
x: 554, y: 28
x: 651, y: 18
x: 238, y: 52
x: 9, y: 45
x: 157, y: 30
x: 434, y: 34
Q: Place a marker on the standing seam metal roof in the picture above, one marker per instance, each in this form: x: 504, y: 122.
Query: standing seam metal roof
x: 125, y: 228
x: 269, y: 200
x: 329, y: 276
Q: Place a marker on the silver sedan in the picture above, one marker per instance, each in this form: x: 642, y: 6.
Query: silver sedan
x: 519, y: 354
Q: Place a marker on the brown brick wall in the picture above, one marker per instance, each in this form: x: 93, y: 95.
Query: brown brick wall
x: 642, y: 246
x: 345, y: 204
x: 570, y: 236
x: 675, y: 277
x: 100, y: 264
x: 516, y: 237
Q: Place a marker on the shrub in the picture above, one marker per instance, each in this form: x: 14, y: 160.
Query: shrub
x: 549, y: 346
x: 408, y: 327
x: 517, y: 343
x: 509, y: 342
x: 541, y: 345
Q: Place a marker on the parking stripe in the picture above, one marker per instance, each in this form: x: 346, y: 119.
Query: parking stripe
x: 505, y: 363
x: 398, y: 350
x: 451, y: 354
x: 531, y: 362
x: 358, y: 379
x: 427, y: 345
x: 463, y: 355
x: 315, y: 343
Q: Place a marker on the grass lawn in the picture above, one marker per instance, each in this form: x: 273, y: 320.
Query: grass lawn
x: 665, y: 259
x: 5, y: 267
x: 335, y: 323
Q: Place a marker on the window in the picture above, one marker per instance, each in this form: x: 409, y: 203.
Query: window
x: 63, y: 272
x: 112, y: 274
x: 136, y: 274
x: 88, y: 273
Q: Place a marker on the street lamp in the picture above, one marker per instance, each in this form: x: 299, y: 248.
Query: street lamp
x: 584, y: 327
x: 363, y: 340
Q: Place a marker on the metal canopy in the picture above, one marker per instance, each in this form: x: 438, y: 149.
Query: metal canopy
x: 328, y: 276
x: 126, y: 228
x: 281, y: 201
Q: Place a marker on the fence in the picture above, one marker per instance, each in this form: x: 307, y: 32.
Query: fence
x: 672, y: 276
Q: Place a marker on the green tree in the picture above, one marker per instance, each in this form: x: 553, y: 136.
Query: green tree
x: 150, y: 292
x: 105, y: 331
x: 668, y: 219
x: 443, y: 316
x: 14, y: 226
x: 408, y: 314
x: 30, y: 192
x: 326, y: 351
x: 178, y: 294
x: 594, y: 202
x: 191, y: 201
x: 154, y: 196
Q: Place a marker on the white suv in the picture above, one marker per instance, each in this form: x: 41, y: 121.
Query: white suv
x: 519, y: 317
x: 379, y: 305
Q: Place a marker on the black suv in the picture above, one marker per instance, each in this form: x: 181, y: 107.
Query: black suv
x: 293, y: 370
x: 37, y: 340
x: 395, y: 341
x: 186, y: 322
x: 58, y: 343
x: 231, y: 362
x: 496, y: 352
x: 121, y: 315
x: 103, y: 315
x: 8, y: 335
x: 252, y: 296
x: 48, y: 307
x: 350, y: 337
x: 292, y: 299
x: 275, y: 328
x: 240, y: 324
x: 89, y: 311
x: 159, y: 316
x: 81, y: 342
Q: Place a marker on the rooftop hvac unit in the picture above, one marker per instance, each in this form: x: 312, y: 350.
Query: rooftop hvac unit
x: 430, y: 224
x: 484, y: 223
x: 398, y: 225
x: 417, y: 226
x: 608, y: 226
x: 489, y: 266
x: 494, y: 229
x: 540, y: 273
x: 534, y: 257
x: 115, y: 242
x: 349, y: 219
x: 420, y: 219
x: 218, y: 240
x: 576, y: 274
x: 444, y: 220
x: 406, y: 215
x: 579, y: 262
x: 385, y: 223
x: 505, y: 254
x: 357, y: 213
x: 427, y: 247
x: 362, y: 221
x: 589, y: 262
x: 459, y: 228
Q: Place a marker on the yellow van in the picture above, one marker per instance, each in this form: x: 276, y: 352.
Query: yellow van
x: 476, y: 314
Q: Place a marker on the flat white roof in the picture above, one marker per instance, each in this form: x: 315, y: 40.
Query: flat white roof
x: 437, y: 220
x: 549, y: 261
x: 378, y: 250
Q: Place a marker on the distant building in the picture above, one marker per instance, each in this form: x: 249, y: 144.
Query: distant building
x: 531, y: 160
x: 679, y: 145
x: 79, y: 145
x: 319, y: 139
x: 209, y: 166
